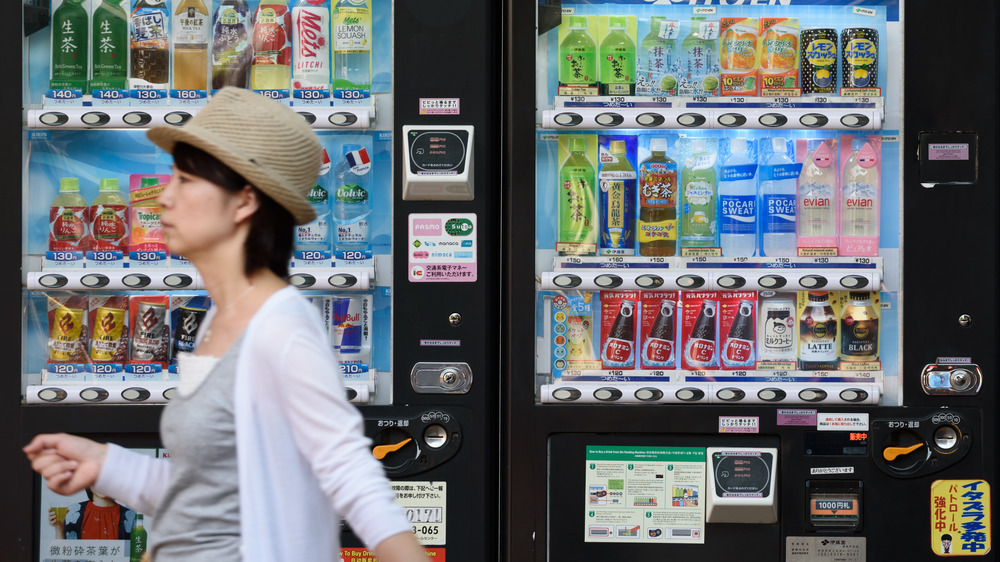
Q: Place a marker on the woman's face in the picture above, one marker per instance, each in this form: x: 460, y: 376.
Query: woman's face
x: 198, y: 215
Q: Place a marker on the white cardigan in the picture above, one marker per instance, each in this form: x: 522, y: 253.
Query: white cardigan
x: 303, y: 458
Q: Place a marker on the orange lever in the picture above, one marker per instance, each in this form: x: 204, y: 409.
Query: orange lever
x: 381, y: 451
x: 890, y: 453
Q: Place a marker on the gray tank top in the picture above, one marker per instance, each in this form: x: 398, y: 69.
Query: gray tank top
x: 198, y: 517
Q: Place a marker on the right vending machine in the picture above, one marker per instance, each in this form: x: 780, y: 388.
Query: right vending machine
x: 730, y: 359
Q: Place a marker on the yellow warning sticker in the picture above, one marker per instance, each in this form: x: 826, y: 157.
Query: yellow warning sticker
x: 960, y: 517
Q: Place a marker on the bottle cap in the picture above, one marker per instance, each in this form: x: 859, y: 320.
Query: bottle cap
x: 351, y: 148
x: 617, y: 147
x: 149, y: 182
x: 738, y: 146
x: 69, y: 185
x: 657, y: 144
x: 617, y: 22
x: 860, y: 296
x: 578, y: 22
x: 577, y: 144
x: 108, y: 184
x: 778, y: 144
x: 858, y: 143
x: 818, y: 296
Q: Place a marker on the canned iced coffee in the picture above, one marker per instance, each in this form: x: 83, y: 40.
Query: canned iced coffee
x: 149, y: 333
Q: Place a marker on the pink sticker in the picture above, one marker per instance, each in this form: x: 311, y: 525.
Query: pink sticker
x: 426, y: 227
x: 950, y: 151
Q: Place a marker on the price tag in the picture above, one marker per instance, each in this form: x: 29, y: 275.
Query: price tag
x: 110, y: 98
x: 64, y: 260
x: 106, y: 371
x: 106, y: 259
x: 311, y: 97
x: 359, y: 258
x: 143, y: 97
x: 283, y: 96
x: 188, y: 97
x: 143, y: 372
x: 312, y: 258
x: 147, y: 258
x: 63, y: 98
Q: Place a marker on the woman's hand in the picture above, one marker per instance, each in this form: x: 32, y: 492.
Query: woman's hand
x: 68, y: 463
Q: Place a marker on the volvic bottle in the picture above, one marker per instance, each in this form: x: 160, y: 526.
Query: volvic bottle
x: 578, y: 60
x: 231, y: 50
x: 150, y: 44
x: 69, y: 46
x: 698, y: 197
x: 109, y: 60
x: 272, y: 52
x: 738, y: 202
x: 617, y: 59
x: 817, y: 213
x: 577, y: 207
x: 657, y: 58
x: 616, y: 182
x: 315, y: 236
x: 778, y: 202
x: 109, y: 219
x: 657, y: 230
x: 69, y: 219
x: 352, y: 45
x: 818, y: 334
x: 351, y: 204
x: 192, y: 32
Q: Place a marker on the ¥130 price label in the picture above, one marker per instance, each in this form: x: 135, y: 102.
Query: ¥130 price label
x: 425, y: 504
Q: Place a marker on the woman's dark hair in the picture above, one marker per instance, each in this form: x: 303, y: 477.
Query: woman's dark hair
x: 272, y: 228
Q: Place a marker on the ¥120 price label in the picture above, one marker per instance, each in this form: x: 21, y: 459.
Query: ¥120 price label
x: 425, y: 504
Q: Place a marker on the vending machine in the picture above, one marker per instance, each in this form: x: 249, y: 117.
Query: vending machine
x: 741, y: 324
x: 403, y: 254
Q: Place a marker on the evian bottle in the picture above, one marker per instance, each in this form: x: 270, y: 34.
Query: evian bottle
x: 311, y: 42
x: 818, y: 196
x: 859, y: 215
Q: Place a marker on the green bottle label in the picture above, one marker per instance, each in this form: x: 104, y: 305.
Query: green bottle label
x: 578, y: 65
x: 576, y: 206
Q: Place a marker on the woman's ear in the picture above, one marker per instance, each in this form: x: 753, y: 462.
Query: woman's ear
x: 247, y: 203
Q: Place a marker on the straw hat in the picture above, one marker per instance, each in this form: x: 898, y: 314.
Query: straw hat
x: 267, y: 143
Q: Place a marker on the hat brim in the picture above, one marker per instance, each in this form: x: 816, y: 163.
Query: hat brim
x: 167, y: 136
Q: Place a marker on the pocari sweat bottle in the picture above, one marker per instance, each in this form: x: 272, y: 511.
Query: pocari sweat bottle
x: 738, y: 202
x: 778, y: 202
x: 351, y: 204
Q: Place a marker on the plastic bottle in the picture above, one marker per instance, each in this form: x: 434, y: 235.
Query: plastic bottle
x: 311, y: 39
x: 231, y: 52
x: 69, y: 45
x: 272, y: 51
x: 699, y: 74
x: 315, y: 236
x: 698, y: 197
x: 137, y: 540
x: 778, y: 202
x: 577, y: 208
x: 616, y: 182
x: 818, y: 193
x: 738, y: 202
x: 352, y: 45
x: 68, y: 219
x: 859, y: 213
x: 351, y: 204
x: 656, y: 60
x: 657, y: 230
x: 145, y: 227
x: 150, y: 44
x: 109, y: 219
x: 109, y: 60
x: 578, y: 56
x: 617, y: 59
x: 192, y: 30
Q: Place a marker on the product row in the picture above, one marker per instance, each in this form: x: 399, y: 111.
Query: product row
x: 731, y: 56
x: 138, y: 337
x: 709, y: 330
x: 103, y: 46
x: 773, y: 196
x: 112, y: 227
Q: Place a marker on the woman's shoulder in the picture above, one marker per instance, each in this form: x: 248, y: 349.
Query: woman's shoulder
x: 286, y: 312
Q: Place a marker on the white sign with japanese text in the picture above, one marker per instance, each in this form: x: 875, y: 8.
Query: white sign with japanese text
x: 425, y: 504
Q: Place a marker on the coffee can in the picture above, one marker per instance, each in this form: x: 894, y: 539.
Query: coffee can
x: 149, y: 334
x: 859, y: 49
x: 819, y: 60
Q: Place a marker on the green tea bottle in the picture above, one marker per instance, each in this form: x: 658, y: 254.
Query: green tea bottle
x: 578, y: 60
x: 617, y: 60
x: 110, y: 47
x: 699, y: 189
x: 69, y: 46
x: 577, y: 212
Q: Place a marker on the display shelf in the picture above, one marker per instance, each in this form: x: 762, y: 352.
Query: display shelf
x: 713, y: 273
x: 842, y: 393
x: 630, y: 112
x: 166, y: 279
x: 131, y: 392
x: 137, y: 117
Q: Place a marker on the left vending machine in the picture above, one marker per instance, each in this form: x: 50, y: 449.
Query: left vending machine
x: 103, y: 306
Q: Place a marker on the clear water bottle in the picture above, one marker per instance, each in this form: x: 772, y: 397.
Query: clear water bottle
x: 352, y: 34
x: 778, y: 202
x: 351, y: 203
x: 738, y: 202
